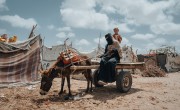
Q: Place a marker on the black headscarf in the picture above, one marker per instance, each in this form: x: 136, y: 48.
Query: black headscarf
x: 109, y: 39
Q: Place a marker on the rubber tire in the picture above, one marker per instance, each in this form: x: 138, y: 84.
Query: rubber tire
x: 120, y: 83
x: 95, y: 79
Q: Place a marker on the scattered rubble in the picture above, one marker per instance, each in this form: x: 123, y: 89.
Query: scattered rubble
x: 3, y: 98
x: 153, y: 71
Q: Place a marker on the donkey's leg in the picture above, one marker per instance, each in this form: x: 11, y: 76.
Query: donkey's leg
x: 69, y: 85
x: 62, y: 85
x: 91, y: 80
x: 89, y: 72
x: 87, y: 90
x: 87, y: 78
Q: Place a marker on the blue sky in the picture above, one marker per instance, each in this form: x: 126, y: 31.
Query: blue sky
x: 144, y: 24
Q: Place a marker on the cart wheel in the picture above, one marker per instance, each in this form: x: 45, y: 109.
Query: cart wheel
x: 124, y: 81
x: 95, y: 79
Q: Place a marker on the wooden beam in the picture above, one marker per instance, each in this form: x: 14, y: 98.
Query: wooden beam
x: 138, y: 65
x: 84, y: 67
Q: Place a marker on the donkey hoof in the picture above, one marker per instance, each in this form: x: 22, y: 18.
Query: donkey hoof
x: 86, y: 91
x: 91, y: 90
x: 60, y: 93
x: 68, y: 97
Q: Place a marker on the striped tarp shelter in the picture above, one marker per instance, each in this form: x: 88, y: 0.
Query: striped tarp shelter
x: 20, y: 62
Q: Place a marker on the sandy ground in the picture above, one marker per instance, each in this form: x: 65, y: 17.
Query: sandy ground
x: 146, y: 94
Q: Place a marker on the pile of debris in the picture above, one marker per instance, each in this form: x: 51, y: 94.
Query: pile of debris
x: 151, y: 67
x: 153, y: 71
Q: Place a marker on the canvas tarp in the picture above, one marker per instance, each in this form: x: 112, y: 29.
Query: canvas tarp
x: 50, y: 55
x: 173, y: 62
x: 20, y: 62
x: 128, y: 55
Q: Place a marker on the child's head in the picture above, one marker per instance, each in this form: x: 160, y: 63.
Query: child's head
x: 116, y: 30
x: 4, y: 36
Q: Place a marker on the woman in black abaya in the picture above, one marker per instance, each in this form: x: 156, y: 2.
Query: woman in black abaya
x: 109, y: 60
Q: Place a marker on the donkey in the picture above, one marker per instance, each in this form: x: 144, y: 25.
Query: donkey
x: 56, y: 70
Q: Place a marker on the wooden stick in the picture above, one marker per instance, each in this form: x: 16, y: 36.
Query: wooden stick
x: 32, y: 31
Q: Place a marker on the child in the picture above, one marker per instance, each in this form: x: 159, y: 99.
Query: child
x: 4, y: 38
x: 116, y: 35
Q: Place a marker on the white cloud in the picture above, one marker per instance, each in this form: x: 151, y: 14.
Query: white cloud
x: 156, y: 14
x: 125, y: 41
x: 2, y: 31
x: 3, y: 5
x: 155, y: 44
x: 64, y: 29
x: 130, y: 21
x: 150, y: 46
x: 70, y: 34
x: 160, y: 41
x: 142, y: 11
x: 51, y: 27
x: 82, y: 14
x: 17, y: 21
x: 102, y: 41
x: 166, y: 28
x: 176, y: 44
x: 82, y: 42
x: 88, y: 19
x: 145, y: 48
x: 65, y: 32
x: 65, y: 35
x: 60, y: 42
x: 123, y: 28
x: 175, y: 9
x: 108, y: 9
x: 61, y: 35
x: 79, y: 4
x: 143, y: 36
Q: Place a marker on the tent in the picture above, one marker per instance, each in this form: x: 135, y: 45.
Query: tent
x: 20, y: 62
x: 128, y: 55
x: 50, y: 55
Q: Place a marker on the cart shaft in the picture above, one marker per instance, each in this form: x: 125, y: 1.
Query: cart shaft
x: 138, y: 65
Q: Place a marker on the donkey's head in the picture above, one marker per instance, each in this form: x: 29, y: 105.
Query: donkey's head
x: 46, y: 81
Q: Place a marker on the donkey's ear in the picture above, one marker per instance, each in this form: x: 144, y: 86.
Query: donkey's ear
x: 45, y: 72
x: 41, y: 72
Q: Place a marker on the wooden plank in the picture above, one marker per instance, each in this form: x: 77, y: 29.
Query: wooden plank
x: 139, y: 65
x: 84, y: 67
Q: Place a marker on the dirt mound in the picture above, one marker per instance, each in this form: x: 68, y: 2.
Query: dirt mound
x: 153, y: 71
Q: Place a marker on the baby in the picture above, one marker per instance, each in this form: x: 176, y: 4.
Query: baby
x: 116, y: 35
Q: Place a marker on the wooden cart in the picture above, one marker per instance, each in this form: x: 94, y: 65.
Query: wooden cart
x: 123, y: 78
